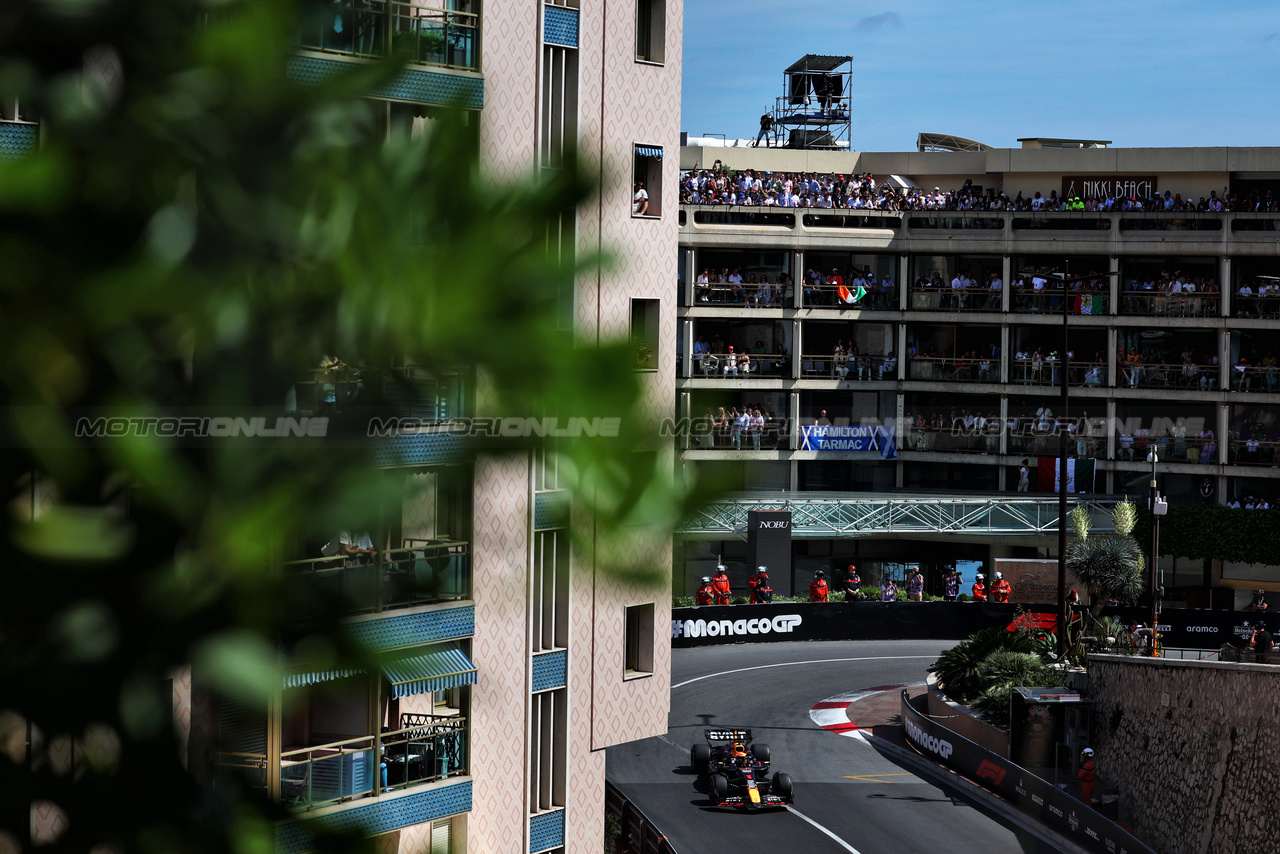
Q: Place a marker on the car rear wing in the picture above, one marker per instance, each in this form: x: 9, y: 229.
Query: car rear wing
x: 743, y: 735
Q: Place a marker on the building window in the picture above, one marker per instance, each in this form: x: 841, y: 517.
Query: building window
x: 644, y: 333
x: 639, y: 640
x: 651, y: 30
x: 646, y: 198
x: 549, y: 581
x: 549, y: 752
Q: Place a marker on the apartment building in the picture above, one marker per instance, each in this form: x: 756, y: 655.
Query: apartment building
x: 953, y: 348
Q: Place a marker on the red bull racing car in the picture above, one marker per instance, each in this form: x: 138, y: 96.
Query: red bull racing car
x: 737, y: 771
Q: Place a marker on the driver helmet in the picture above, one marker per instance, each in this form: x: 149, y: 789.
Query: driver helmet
x: 1087, y: 753
x: 706, y: 579
x: 738, y: 749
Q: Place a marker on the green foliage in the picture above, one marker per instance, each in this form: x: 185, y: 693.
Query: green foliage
x: 1109, y: 566
x: 1124, y: 517
x: 1003, y: 671
x: 1080, y: 522
x: 1215, y: 532
x: 959, y: 668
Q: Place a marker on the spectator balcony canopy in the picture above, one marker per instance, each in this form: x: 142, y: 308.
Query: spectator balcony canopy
x: 948, y: 142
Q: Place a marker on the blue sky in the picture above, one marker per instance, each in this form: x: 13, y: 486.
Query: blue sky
x: 1137, y: 73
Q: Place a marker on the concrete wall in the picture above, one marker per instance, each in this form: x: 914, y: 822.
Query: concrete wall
x: 1191, y: 747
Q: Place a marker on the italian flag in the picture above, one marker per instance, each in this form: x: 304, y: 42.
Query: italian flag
x: 1079, y: 475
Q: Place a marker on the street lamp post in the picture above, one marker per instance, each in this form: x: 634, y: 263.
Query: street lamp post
x: 1158, y: 508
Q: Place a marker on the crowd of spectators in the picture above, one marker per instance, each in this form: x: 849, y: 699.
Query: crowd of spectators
x: 762, y: 188
x: 716, y: 358
x: 746, y: 428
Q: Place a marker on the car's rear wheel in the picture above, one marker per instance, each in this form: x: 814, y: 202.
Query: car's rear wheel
x: 719, y: 788
x: 760, y: 752
x: 700, y: 758
x: 782, y: 786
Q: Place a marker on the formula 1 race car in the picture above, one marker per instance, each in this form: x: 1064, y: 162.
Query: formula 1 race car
x: 738, y: 771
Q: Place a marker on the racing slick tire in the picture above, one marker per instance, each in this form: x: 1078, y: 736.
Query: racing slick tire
x: 700, y: 758
x: 719, y: 788
x: 760, y: 752
x: 782, y: 787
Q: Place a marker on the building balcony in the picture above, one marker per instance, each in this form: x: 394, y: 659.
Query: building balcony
x: 373, y: 28
x: 422, y: 572
x: 328, y: 754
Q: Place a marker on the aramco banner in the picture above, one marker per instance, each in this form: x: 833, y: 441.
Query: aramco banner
x: 862, y: 439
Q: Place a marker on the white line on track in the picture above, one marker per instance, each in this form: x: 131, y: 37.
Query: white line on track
x: 795, y: 663
x: 845, y: 845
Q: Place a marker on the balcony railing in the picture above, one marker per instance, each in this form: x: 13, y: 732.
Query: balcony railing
x: 758, y: 366
x: 374, y: 28
x: 954, y: 369
x: 1159, y: 304
x: 977, y: 298
x: 426, y: 748
x: 878, y: 297
x: 330, y: 773
x: 854, y: 368
x: 424, y: 572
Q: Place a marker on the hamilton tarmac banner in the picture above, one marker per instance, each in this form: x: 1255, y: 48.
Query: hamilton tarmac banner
x: 865, y: 439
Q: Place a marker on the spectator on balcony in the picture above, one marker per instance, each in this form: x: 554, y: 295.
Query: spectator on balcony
x: 781, y: 359
x: 833, y: 283
x: 357, y: 549
x: 741, y: 424
x: 822, y: 420
x: 755, y: 424
x: 640, y: 201
x: 1240, y: 375
x: 1208, y: 446
x: 1126, y: 444
x: 889, y: 366
x: 731, y: 363
x: 710, y: 363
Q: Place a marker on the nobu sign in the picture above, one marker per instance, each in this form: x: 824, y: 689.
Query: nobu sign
x: 769, y: 542
x: 1109, y: 186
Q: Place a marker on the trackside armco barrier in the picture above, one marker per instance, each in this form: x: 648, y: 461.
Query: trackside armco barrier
x: 1037, y: 798
x: 804, y: 621
x: 638, y: 834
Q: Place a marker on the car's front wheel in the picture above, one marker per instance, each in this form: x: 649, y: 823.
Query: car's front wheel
x: 782, y: 786
x: 700, y: 758
x: 719, y: 788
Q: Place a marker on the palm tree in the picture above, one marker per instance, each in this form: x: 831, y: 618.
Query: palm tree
x: 1109, y: 566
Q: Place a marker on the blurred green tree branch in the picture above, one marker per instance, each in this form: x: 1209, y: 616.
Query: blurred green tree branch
x: 198, y: 231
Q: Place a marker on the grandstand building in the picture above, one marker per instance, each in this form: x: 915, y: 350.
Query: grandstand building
x: 932, y: 309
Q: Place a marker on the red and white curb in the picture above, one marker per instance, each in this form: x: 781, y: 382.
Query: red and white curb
x: 832, y: 713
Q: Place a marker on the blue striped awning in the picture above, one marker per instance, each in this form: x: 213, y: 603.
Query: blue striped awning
x: 445, y: 666
x: 298, y: 680
x: 648, y: 151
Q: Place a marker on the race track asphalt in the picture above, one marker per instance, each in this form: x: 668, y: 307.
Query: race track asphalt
x: 849, y: 797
